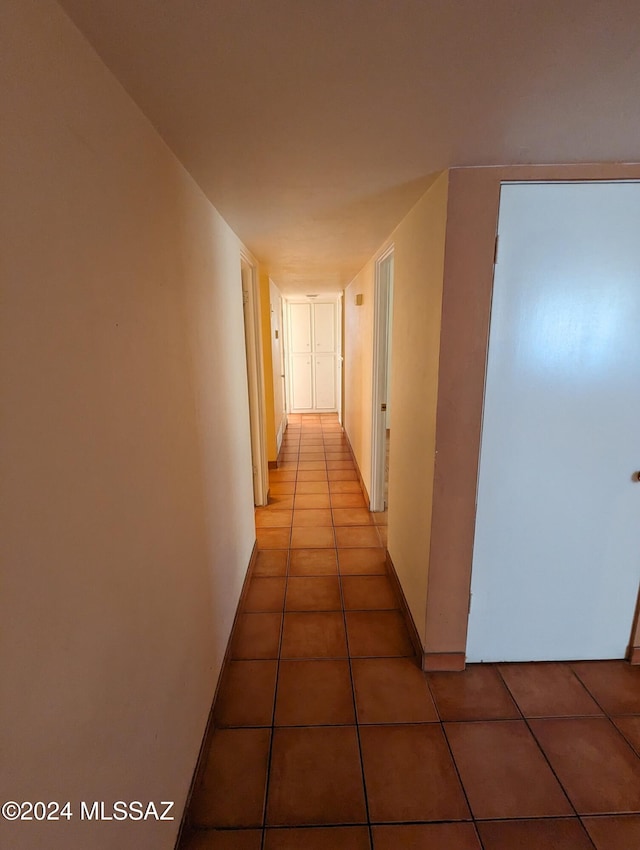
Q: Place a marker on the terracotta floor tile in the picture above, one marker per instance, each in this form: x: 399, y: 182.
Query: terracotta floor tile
x: 614, y: 684
x: 314, y: 635
x: 630, y: 728
x: 282, y: 488
x: 503, y: 771
x: 312, y: 538
x: 344, y: 455
x: 342, y: 474
x: 310, y: 487
x: 345, y: 487
x: 318, y: 838
x: 273, y: 538
x: 362, y: 561
x: 410, y: 775
x: 426, y: 836
x: 357, y: 536
x: 232, y: 787
x: 320, y: 593
x: 348, y: 500
x: 312, y: 501
x: 351, y: 516
x: 266, y: 518
x: 315, y: 777
x: 314, y: 693
x: 306, y: 465
x: 547, y: 690
x: 256, y: 636
x: 368, y: 593
x: 246, y: 694
x: 306, y: 456
x: 341, y: 464
x: 383, y: 531
x: 614, y: 833
x: 287, y: 465
x: 277, y: 476
x: 542, y: 834
x: 264, y: 594
x: 313, y: 562
x: 597, y: 767
x: 312, y: 474
x: 312, y: 518
x: 281, y: 502
x: 477, y: 693
x: 224, y: 839
x: 377, y: 633
x: 380, y: 517
x: 391, y: 690
x: 271, y: 562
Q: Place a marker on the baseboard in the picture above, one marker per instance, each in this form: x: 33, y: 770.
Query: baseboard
x: 404, y: 609
x: 199, y: 767
x: 451, y: 662
x: 358, y: 473
x: 272, y: 464
x: 634, y: 655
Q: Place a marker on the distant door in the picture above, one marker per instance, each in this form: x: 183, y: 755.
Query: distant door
x: 556, y: 560
x: 313, y: 356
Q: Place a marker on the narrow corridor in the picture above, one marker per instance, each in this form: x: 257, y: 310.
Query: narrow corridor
x: 328, y: 735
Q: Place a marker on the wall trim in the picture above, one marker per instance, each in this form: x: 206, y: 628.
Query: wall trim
x: 404, y: 609
x: 355, y: 462
x: 634, y: 655
x: 185, y: 827
x: 451, y: 662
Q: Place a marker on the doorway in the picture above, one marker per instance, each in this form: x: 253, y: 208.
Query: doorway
x: 556, y: 560
x: 381, y: 414
x: 255, y: 378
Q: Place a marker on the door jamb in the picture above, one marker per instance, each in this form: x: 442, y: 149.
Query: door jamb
x: 379, y: 393
x: 255, y: 376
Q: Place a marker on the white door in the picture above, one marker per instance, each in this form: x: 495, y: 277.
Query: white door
x: 313, y: 356
x: 556, y: 561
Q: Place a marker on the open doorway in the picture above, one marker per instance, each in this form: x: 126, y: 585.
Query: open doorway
x: 255, y: 379
x: 381, y: 415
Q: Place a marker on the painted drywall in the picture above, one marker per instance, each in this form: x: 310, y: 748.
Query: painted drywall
x: 126, y: 483
x: 417, y: 305
x: 417, y: 298
x: 472, y: 221
x: 358, y: 367
x: 277, y: 362
x: 269, y: 405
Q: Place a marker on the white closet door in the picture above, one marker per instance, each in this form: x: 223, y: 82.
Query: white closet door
x: 300, y: 325
x: 556, y: 561
x: 324, y: 328
x: 325, y: 381
x: 301, y: 382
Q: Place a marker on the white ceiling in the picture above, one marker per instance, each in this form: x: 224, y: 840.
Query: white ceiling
x: 314, y: 125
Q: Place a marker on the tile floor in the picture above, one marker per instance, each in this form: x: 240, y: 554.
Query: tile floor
x: 328, y: 735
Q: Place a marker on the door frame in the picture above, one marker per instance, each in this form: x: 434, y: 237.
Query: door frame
x: 380, y: 379
x: 255, y: 375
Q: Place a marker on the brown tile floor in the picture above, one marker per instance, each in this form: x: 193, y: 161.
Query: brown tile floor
x: 328, y: 735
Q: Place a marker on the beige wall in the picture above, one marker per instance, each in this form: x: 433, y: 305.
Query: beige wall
x: 418, y: 272
x: 277, y: 342
x: 126, y: 483
x: 358, y: 367
x: 473, y: 212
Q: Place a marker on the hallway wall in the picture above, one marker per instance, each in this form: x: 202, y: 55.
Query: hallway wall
x: 419, y: 243
x: 126, y: 483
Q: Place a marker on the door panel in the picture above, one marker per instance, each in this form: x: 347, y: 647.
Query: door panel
x: 325, y: 381
x: 556, y: 558
x: 300, y: 328
x: 301, y: 382
x: 324, y: 327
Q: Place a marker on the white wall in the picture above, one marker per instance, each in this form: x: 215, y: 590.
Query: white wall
x: 126, y: 479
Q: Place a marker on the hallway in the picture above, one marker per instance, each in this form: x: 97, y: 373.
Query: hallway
x: 328, y: 735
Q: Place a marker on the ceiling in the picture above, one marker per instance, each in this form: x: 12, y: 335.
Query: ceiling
x: 314, y: 125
